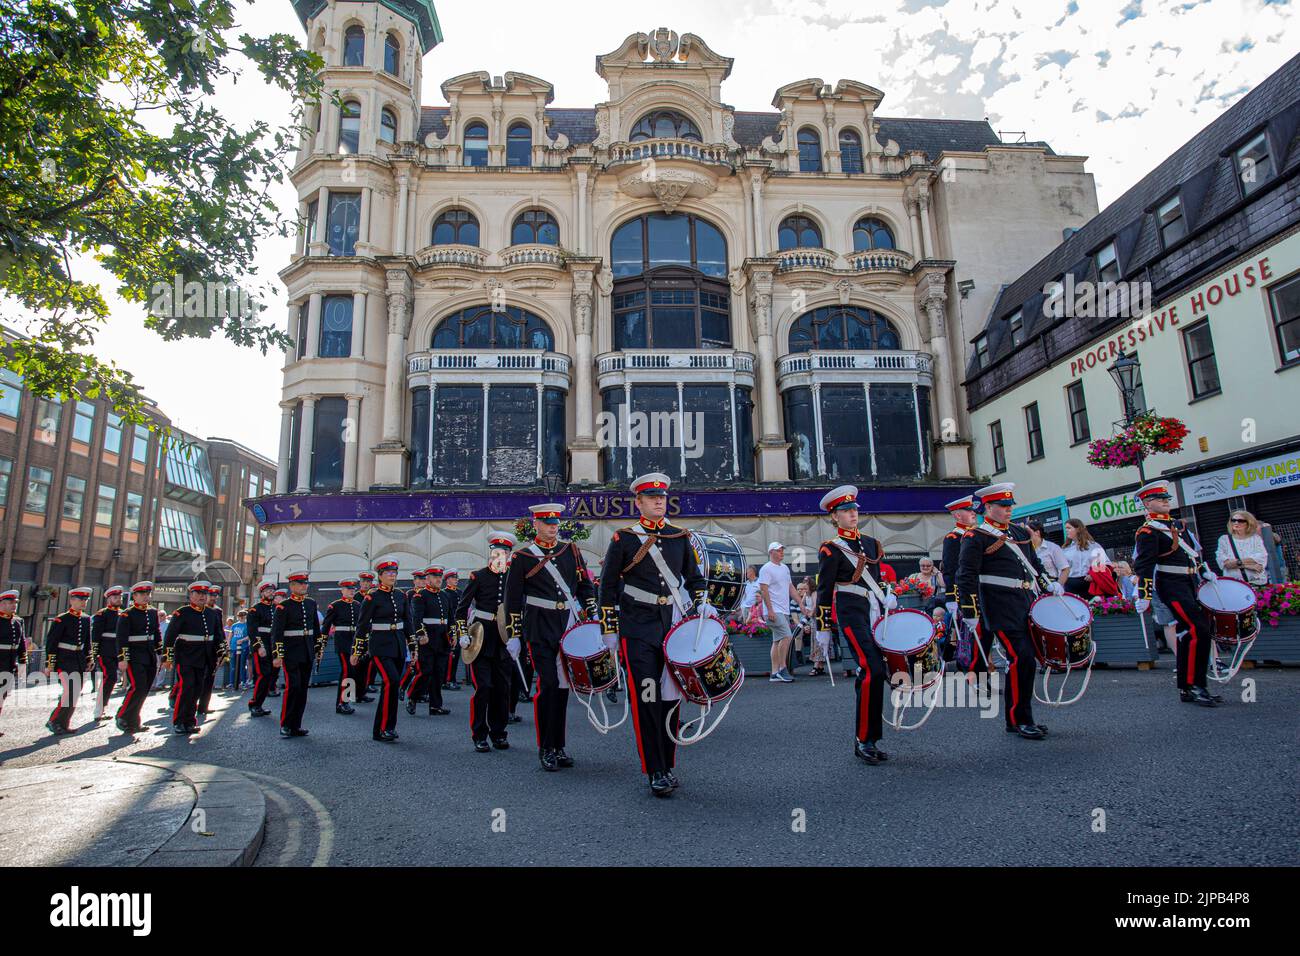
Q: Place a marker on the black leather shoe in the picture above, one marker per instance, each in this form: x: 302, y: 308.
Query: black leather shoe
x: 437, y: 711
x: 1197, y: 695
x: 286, y: 732
x: 672, y: 779
x: 482, y: 746
x: 121, y: 725
x: 500, y: 743
x: 880, y: 754
x: 525, y: 698
x: 611, y: 695
x: 410, y: 707
x: 513, y: 719
x: 1028, y: 731
x: 659, y: 785
x: 549, y: 763
x: 345, y: 709
x: 401, y: 695
x: 562, y: 759
x: 258, y: 712
x: 1043, y: 728
x: 451, y: 685
x: 176, y: 728
x: 367, y: 699
x: 386, y: 737
x: 865, y: 753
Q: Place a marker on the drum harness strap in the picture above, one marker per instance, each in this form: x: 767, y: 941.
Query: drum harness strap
x: 563, y: 585
x: 852, y: 587
x: 657, y: 556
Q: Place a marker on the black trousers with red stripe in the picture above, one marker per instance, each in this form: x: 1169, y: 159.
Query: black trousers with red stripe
x: 209, y: 681
x: 1194, y: 630
x: 351, y: 688
x: 107, y: 667
x: 441, y: 663
x: 650, y: 712
x: 551, y: 702
x: 69, y: 694
x: 872, y: 679
x: 521, y: 684
x: 488, y: 708
x: 426, y: 676
x: 1022, y: 668
x: 189, y: 684
x: 263, y: 675
x: 297, y: 676
x: 981, y: 650
x: 388, y: 670
x: 8, y: 675
x: 141, y: 670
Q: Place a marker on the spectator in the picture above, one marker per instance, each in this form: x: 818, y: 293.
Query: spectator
x: 1049, y: 552
x: 239, y: 648
x: 749, y: 609
x: 808, y: 621
x: 1241, y: 553
x: 1127, y: 580
x: 1083, y: 555
x: 777, y: 597
x: 929, y: 576
x: 1277, y: 569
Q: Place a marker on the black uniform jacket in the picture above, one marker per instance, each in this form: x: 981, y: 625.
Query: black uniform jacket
x: 296, y: 631
x: 343, y: 616
x: 139, y: 629
x: 630, y: 563
x: 67, y: 643
x: 376, y: 633
x: 1002, y: 604
x: 429, y: 607
x: 486, y: 591
x: 13, y: 642
x: 1157, y: 547
x: 528, y: 578
x: 260, y: 618
x: 103, y: 632
x: 951, y: 561
x: 188, y: 635
x: 836, y: 567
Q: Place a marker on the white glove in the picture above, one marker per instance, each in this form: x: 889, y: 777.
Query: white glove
x: 971, y: 623
x: 823, y: 639
x: 891, y: 600
x: 1056, y: 588
x: 1208, y: 575
x: 611, y: 642
x: 951, y: 608
x: 512, y: 647
x: 464, y: 640
x: 1141, y: 605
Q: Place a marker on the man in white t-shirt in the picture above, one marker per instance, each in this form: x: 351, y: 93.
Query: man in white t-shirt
x: 776, y: 592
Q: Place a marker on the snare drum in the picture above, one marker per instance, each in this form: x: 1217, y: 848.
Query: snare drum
x: 722, y: 562
x: 1060, y: 627
x: 589, y: 664
x: 699, y: 657
x: 1231, y: 606
x: 906, y: 639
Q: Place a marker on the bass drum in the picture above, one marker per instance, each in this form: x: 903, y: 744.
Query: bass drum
x: 722, y: 562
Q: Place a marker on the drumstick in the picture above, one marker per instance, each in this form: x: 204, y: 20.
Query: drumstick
x: 1143, y: 621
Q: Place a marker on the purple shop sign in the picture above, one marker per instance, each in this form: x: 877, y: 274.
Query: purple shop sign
x: 593, y: 505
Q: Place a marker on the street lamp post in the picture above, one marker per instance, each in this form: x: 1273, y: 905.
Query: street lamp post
x: 1125, y: 373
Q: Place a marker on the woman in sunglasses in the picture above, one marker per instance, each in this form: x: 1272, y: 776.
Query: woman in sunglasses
x: 1241, y: 551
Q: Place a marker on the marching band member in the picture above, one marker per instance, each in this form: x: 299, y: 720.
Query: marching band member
x: 546, y: 584
x: 451, y: 591
x: 217, y: 650
x: 847, y: 559
x: 419, y: 578
x: 261, y: 616
x: 13, y: 644
x: 185, y: 647
x: 491, y: 670
x: 103, y: 647
x: 1170, y: 556
x: 645, y: 570
x: 381, y: 633
x: 341, y: 617
x: 67, y: 653
x: 365, y: 666
x: 963, y: 513
x: 998, y: 562
x: 431, y: 616
x: 298, y: 642
x: 139, y: 639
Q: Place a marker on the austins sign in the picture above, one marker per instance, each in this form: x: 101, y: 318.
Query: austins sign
x: 1149, y: 326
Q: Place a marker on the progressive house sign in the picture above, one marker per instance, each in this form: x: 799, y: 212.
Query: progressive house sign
x: 592, y: 505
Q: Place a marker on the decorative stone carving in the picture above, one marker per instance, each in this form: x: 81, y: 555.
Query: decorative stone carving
x: 450, y: 283
x: 738, y: 280
x: 664, y: 45
x: 602, y: 139
x: 670, y: 192
x: 729, y: 129
x: 845, y: 289
x: 669, y: 185
x: 533, y: 283
x: 605, y: 283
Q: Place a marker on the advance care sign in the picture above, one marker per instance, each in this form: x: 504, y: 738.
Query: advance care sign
x: 1262, y: 475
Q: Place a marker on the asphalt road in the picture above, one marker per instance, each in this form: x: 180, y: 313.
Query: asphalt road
x: 1128, y: 777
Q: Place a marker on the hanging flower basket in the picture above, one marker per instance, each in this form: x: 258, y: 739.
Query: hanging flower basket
x: 1149, y: 434
x: 570, y: 530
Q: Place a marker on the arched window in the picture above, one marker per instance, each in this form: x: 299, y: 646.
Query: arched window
x: 810, y: 151
x: 850, y: 151
x: 843, y: 328
x: 482, y: 327
x: 535, y: 226
x: 388, y: 126
x: 455, y: 227
x: 350, y: 127
x: 519, y: 145
x: 336, y: 326
x: 872, y: 233
x: 354, y: 47
x: 476, y: 144
x: 664, y: 124
x: 392, y: 54
x: 798, y: 232
x: 670, y: 288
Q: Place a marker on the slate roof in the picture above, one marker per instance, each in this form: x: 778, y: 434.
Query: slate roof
x: 931, y: 136
x: 1203, y: 171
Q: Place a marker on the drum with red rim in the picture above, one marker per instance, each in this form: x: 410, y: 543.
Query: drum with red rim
x: 1060, y: 627
x: 1231, y: 606
x: 589, y: 664
x: 699, y: 657
x: 906, y: 639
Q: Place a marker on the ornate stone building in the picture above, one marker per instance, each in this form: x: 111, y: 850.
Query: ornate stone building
x: 497, y: 300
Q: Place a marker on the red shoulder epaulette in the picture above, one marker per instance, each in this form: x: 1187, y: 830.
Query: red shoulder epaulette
x: 1144, y: 530
x: 176, y: 613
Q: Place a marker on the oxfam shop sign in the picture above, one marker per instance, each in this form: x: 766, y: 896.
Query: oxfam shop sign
x: 1110, y: 508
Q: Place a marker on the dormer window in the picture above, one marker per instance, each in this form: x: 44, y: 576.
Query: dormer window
x: 354, y: 47
x: 1016, y: 327
x: 1107, y: 264
x: 392, y: 55
x: 1171, y: 221
x: 981, y: 351
x: 1254, y: 166
x: 810, y: 151
x: 476, y: 144
x: 850, y: 151
x: 664, y: 124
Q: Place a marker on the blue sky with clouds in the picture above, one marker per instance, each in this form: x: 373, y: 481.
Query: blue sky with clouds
x: 1123, y: 82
